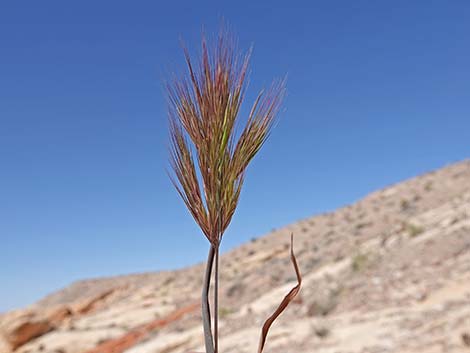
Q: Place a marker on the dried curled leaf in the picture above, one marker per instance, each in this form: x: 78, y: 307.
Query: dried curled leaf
x: 285, y: 302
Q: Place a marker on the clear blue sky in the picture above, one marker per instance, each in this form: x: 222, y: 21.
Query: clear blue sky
x: 378, y: 91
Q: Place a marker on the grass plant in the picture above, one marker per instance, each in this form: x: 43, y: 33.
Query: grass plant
x: 210, y: 150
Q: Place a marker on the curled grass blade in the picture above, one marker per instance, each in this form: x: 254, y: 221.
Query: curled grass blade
x: 285, y: 302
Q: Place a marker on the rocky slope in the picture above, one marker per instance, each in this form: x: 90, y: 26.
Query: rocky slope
x: 390, y: 273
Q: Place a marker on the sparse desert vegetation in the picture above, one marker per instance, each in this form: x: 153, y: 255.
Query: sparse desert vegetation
x: 413, y: 298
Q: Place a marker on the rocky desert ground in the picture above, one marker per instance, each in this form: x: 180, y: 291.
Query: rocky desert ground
x: 390, y: 273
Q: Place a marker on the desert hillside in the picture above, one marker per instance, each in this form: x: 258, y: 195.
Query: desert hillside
x: 390, y: 273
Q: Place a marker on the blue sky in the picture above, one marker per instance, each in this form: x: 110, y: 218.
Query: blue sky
x: 377, y: 92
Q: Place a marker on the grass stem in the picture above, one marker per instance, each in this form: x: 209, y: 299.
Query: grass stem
x: 206, y: 312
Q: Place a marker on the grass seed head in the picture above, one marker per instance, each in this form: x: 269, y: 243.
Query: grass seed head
x: 209, y: 160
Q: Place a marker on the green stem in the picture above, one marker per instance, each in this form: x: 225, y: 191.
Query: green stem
x: 206, y: 313
x: 216, y: 302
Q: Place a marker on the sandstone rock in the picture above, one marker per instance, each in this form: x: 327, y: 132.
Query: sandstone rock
x: 58, y: 315
x: 4, y: 345
x: 135, y: 336
x: 26, y: 331
x: 414, y: 296
x: 466, y: 339
x: 90, y: 304
x: 22, y: 326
